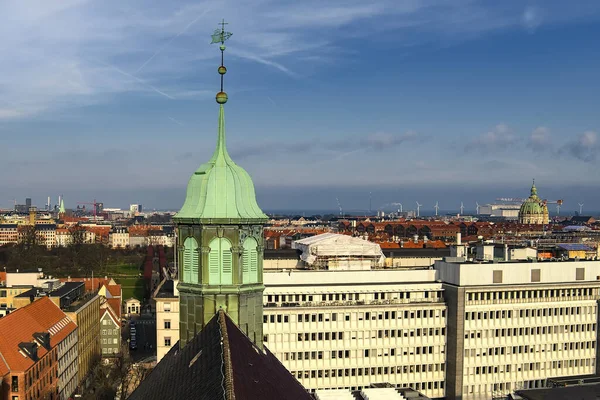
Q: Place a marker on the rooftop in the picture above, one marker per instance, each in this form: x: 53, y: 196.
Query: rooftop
x: 220, y: 362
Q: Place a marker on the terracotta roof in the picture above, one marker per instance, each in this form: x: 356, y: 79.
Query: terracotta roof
x: 19, y: 326
x: 114, y: 290
x: 115, y: 305
x: 108, y: 310
x: 97, y: 282
x: 2, y: 276
x: 220, y: 362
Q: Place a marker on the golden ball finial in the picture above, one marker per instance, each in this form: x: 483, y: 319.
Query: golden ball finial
x: 222, y: 70
x: 221, y: 97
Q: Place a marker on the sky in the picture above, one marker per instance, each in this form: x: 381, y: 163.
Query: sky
x: 392, y: 100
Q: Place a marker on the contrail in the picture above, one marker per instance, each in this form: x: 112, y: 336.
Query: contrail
x: 119, y: 70
x: 171, y: 40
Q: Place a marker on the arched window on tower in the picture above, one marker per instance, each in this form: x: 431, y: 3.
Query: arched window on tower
x: 220, y: 262
x: 250, y: 261
x: 190, y: 260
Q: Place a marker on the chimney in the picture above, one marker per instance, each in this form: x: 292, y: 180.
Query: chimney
x: 505, y: 252
x: 458, y: 238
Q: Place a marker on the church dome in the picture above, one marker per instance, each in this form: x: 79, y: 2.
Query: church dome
x: 220, y: 190
x: 533, y: 210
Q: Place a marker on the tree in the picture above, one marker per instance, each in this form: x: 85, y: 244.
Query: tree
x: 117, y: 379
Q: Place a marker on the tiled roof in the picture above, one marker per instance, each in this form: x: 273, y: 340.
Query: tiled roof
x: 111, y: 314
x: 19, y: 326
x: 114, y: 290
x: 2, y: 276
x: 218, y: 361
x: 115, y: 305
x: 90, y: 284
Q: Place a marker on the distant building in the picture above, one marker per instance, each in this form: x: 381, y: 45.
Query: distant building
x: 534, y: 210
x: 132, y: 306
x: 135, y: 209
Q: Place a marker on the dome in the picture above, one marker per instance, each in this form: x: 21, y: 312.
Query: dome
x: 533, y: 210
x: 220, y: 191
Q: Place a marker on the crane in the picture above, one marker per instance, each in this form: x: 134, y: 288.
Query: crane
x: 462, y: 208
x: 437, y: 208
x: 91, y: 204
x: 419, y: 209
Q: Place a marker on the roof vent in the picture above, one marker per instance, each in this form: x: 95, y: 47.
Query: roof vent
x: 29, y: 349
x: 43, y: 339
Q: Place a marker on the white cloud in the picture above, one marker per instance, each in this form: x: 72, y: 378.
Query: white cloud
x: 584, y: 147
x: 499, y: 138
x: 540, y: 139
x: 59, y: 54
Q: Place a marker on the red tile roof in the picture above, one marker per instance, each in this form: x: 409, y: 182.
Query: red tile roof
x: 2, y: 276
x: 19, y: 326
x: 115, y: 304
x: 89, y: 284
x: 114, y: 290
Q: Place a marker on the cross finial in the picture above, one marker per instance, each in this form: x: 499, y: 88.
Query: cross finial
x: 220, y: 36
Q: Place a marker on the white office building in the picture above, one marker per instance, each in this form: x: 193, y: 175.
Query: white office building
x: 350, y: 329
x: 511, y: 325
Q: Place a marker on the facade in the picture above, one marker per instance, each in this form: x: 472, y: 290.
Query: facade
x: 351, y: 329
x: 166, y: 298
x: 132, y: 306
x: 511, y: 325
x: 68, y: 366
x: 119, y: 238
x: 110, y: 334
x: 534, y: 210
x: 32, y: 340
x: 85, y: 312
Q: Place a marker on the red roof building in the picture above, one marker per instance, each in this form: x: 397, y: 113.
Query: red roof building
x: 29, y: 352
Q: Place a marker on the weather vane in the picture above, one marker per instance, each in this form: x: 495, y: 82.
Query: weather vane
x: 220, y: 36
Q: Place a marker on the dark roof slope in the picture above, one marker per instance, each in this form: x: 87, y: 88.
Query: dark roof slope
x: 220, y: 359
x: 578, y: 392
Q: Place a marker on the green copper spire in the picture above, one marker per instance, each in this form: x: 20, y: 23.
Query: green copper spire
x: 533, y: 189
x: 220, y: 190
x: 61, y: 207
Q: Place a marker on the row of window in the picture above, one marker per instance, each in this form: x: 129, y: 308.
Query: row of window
x: 538, y: 330
x: 110, y: 341
x: 374, y: 334
x: 529, y: 294
x: 110, y: 332
x: 531, y: 366
x: 282, y: 298
x: 368, y: 371
x: 334, y: 317
x: 540, y: 312
x: 536, y: 348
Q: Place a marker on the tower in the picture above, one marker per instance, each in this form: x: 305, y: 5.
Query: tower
x: 220, y: 239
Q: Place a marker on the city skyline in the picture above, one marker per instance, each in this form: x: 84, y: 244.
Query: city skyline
x: 116, y: 101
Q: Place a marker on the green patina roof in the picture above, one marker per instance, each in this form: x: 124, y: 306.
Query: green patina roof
x: 220, y: 189
x: 533, y: 204
x: 61, y: 208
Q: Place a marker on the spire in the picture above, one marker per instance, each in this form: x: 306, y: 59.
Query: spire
x: 533, y: 189
x: 61, y: 207
x: 220, y: 36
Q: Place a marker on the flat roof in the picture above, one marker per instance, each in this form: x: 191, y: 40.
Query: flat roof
x: 589, y: 391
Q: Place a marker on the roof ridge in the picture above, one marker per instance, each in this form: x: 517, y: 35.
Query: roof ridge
x: 229, y: 389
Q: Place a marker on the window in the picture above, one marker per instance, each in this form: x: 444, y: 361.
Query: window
x: 190, y: 260
x: 220, y: 262
x: 15, y: 384
x: 497, y: 276
x: 250, y: 260
x: 168, y: 342
x: 535, y: 275
x: 167, y: 307
x: 167, y: 324
x: 580, y: 274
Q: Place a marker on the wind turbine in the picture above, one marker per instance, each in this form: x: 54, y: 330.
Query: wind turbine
x: 400, y: 204
x: 340, y: 207
x: 418, y: 209
x: 477, y: 206
x: 437, y: 207
x: 462, y: 208
x: 580, y: 208
x: 557, y: 209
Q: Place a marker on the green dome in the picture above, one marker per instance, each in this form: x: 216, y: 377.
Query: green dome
x: 220, y: 191
x: 531, y: 206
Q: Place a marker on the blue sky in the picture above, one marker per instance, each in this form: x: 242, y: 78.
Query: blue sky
x: 429, y: 100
